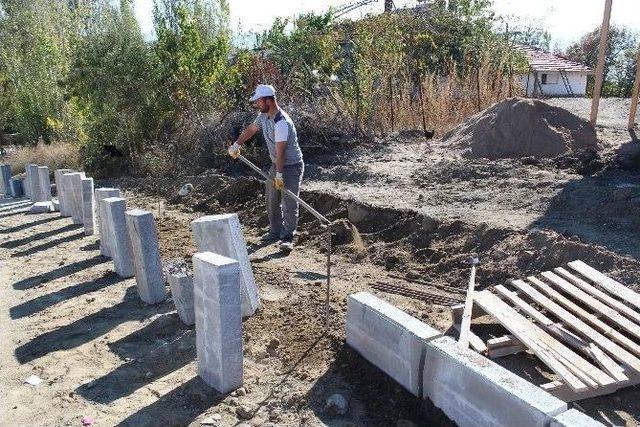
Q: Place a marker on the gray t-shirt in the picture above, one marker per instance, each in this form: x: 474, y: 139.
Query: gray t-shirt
x: 280, y: 128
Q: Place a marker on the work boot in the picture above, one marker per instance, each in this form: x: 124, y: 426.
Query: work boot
x: 286, y: 243
x: 269, y: 237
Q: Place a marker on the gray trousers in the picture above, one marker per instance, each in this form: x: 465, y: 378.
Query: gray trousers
x: 281, y: 209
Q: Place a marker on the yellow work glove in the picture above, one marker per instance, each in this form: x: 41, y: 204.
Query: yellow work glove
x: 234, y: 150
x: 278, y: 181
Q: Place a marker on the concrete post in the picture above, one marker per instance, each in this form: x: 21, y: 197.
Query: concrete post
x: 44, y: 184
x: 76, y: 197
x: 27, y: 180
x: 88, y: 208
x: 100, y: 195
x: 34, y: 182
x: 143, y: 236
x: 61, y: 190
x: 221, y: 234
x: 216, y: 293
x: 116, y: 227
x: 182, y: 293
x: 17, y: 188
x: 5, y: 172
x: 67, y: 188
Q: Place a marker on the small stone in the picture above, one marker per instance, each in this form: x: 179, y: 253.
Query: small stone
x: 336, y: 405
x: 245, y: 411
x: 275, y: 415
x: 233, y: 401
x: 241, y: 391
x: 209, y: 421
x: 275, y: 342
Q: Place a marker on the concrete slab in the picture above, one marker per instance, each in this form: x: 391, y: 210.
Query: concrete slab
x: 62, y: 190
x: 141, y: 227
x: 34, y: 182
x: 121, y: 255
x: 574, y: 418
x: 218, y: 316
x: 88, y: 207
x: 44, y: 184
x: 182, y: 292
x: 100, y: 195
x: 42, y: 207
x: 222, y: 234
x: 389, y: 338
x: 474, y: 391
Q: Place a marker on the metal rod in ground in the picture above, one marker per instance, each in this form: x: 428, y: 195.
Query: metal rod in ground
x: 327, y: 307
x: 412, y: 293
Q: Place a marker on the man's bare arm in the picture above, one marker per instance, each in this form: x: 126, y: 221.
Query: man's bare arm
x: 280, y: 148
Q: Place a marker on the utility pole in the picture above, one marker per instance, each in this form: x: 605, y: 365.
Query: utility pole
x: 636, y: 92
x: 604, y: 37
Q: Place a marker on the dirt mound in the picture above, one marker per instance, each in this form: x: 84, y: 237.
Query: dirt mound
x: 519, y: 127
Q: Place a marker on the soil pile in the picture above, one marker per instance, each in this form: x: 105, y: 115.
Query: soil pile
x: 517, y: 127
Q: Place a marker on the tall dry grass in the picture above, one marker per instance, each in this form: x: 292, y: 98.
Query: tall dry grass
x: 57, y: 155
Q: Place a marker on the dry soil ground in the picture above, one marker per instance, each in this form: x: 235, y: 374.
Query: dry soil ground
x: 67, y: 318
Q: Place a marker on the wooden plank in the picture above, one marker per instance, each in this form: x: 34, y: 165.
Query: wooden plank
x: 602, y: 296
x: 593, y: 303
x: 616, y: 288
x: 554, y: 328
x: 578, y: 325
x: 599, y: 75
x: 606, y: 363
x: 570, y: 365
x: 475, y: 341
x: 495, y: 353
x: 503, y: 341
x: 519, y: 326
x: 593, y: 320
x: 465, y: 325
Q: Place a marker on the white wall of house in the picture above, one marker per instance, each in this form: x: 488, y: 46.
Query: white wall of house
x: 554, y: 85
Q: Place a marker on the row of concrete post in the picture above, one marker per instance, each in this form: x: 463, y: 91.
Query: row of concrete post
x: 220, y: 293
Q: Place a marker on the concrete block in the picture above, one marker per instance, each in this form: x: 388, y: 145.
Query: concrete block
x: 182, y: 292
x: 100, y: 195
x: 218, y: 315
x: 474, y: 391
x: 5, y: 180
x: 34, y: 182
x: 574, y: 418
x: 75, y: 186
x: 56, y: 205
x: 62, y: 190
x: 42, y: 207
x: 17, y: 187
x: 88, y: 207
x: 44, y: 184
x: 116, y: 227
x: 389, y: 338
x: 141, y: 227
x: 221, y: 234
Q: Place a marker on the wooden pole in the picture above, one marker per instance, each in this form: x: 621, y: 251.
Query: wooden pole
x: 604, y: 37
x: 634, y: 97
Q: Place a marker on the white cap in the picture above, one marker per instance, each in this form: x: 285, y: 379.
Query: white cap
x: 262, y: 91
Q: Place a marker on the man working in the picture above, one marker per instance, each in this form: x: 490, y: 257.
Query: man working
x: 287, y: 166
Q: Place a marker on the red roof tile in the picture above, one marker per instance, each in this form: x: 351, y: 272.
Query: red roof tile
x: 539, y: 60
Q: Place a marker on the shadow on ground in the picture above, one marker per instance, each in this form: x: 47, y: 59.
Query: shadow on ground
x: 64, y: 271
x: 161, y: 347
x: 89, y: 327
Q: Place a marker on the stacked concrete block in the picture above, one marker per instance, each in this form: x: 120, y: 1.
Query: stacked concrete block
x: 75, y: 184
x: 116, y: 227
x: 100, y: 195
x: 141, y: 227
x: 17, y: 188
x: 61, y: 190
x: 475, y: 391
x: 216, y: 292
x: 574, y: 418
x: 44, y: 184
x: 33, y: 182
x: 182, y: 292
x: 5, y: 180
x: 389, y: 338
x: 222, y: 234
x: 88, y: 207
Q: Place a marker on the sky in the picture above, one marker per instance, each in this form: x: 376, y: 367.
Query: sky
x: 566, y: 20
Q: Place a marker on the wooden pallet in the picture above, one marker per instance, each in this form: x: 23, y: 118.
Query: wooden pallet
x: 582, y: 324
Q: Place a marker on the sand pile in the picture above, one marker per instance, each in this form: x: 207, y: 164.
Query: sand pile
x: 519, y: 127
